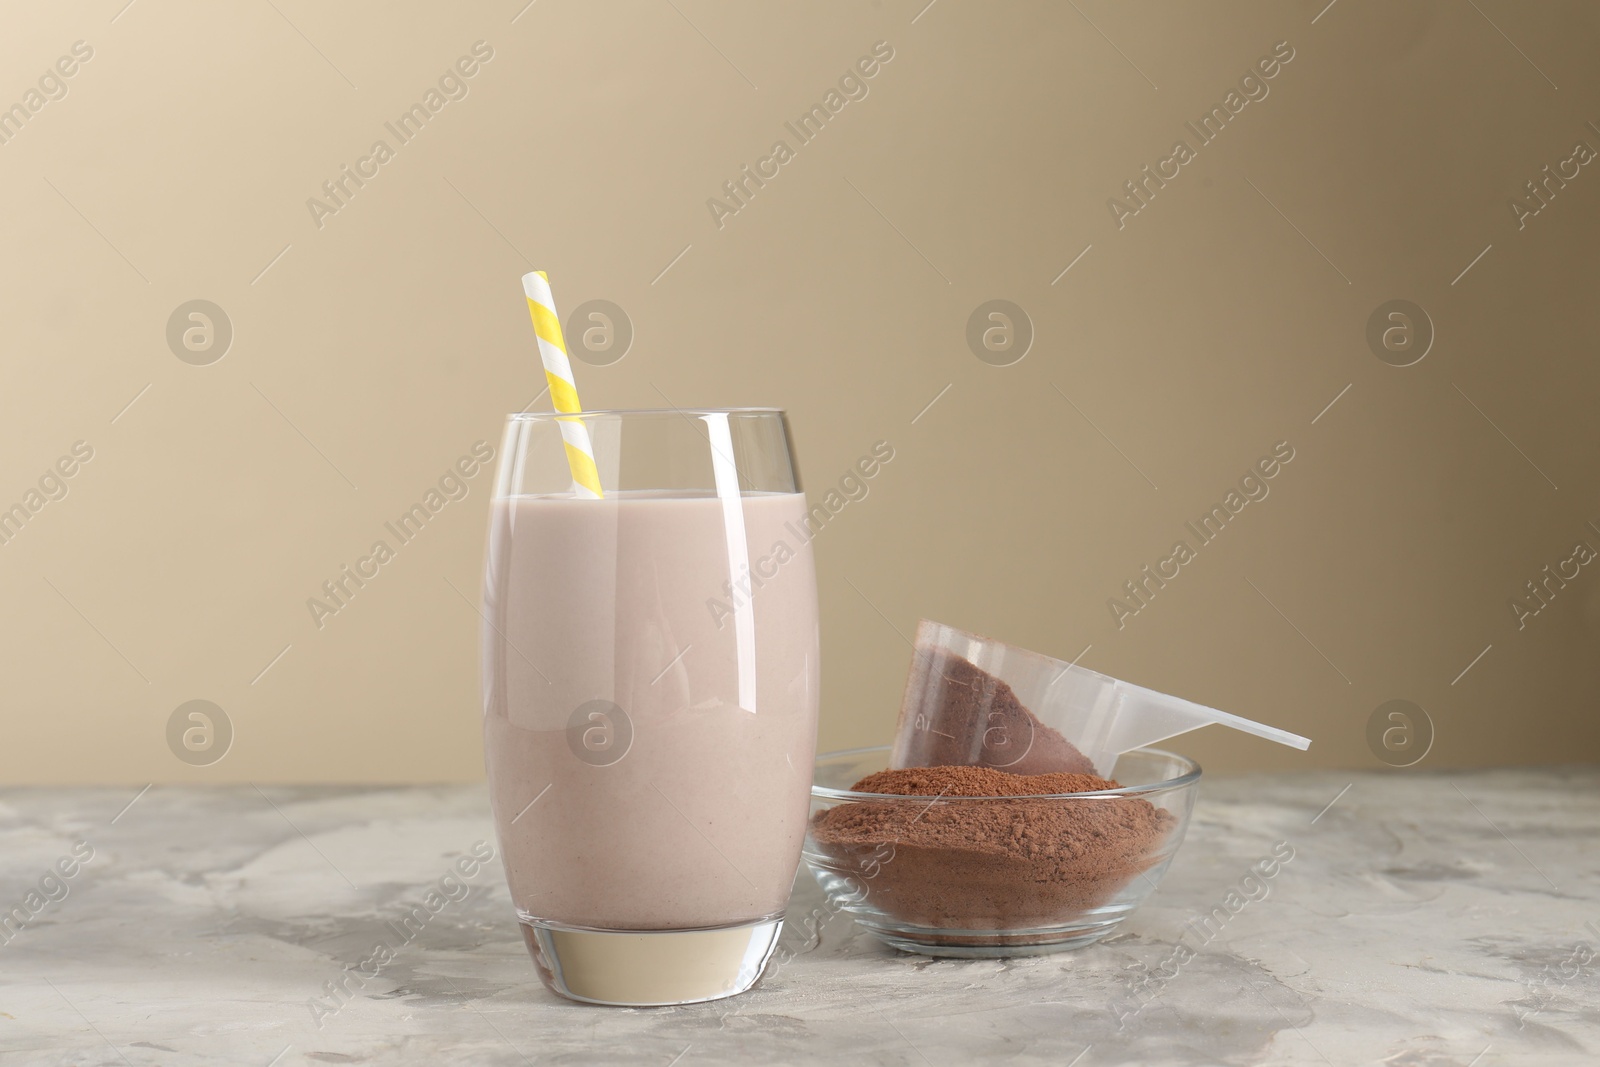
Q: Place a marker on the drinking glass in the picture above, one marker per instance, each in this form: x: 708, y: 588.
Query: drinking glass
x: 650, y: 676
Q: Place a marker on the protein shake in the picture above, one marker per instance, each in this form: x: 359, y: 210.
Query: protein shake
x: 650, y: 705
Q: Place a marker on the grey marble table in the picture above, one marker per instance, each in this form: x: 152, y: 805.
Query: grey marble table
x: 1424, y: 919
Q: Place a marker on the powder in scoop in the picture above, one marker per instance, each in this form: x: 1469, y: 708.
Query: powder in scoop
x: 978, y: 720
x: 990, y: 865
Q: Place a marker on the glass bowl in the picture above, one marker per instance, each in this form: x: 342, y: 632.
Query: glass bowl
x: 995, y: 876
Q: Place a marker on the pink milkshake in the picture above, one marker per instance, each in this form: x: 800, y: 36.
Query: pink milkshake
x: 651, y: 683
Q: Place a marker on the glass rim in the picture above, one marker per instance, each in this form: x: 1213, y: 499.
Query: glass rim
x: 1190, y: 775
x: 545, y: 416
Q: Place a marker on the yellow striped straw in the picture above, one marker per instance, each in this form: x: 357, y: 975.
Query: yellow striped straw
x: 563, y: 393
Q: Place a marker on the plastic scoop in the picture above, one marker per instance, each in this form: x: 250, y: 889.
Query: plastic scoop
x: 973, y: 701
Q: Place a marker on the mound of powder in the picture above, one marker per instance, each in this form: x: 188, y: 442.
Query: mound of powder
x: 977, y: 782
x: 998, y: 864
x: 978, y: 720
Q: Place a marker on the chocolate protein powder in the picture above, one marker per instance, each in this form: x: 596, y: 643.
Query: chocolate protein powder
x: 1007, y: 864
x: 976, y: 719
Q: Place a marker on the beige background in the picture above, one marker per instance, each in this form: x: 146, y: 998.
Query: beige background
x: 375, y: 350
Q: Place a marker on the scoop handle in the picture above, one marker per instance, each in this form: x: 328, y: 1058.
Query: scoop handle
x: 1144, y: 716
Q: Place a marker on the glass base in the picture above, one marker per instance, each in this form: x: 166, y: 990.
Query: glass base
x: 650, y: 968
x: 1063, y: 933
x: 989, y: 944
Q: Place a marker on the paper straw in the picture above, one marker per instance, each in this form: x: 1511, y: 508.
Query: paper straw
x: 563, y: 393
